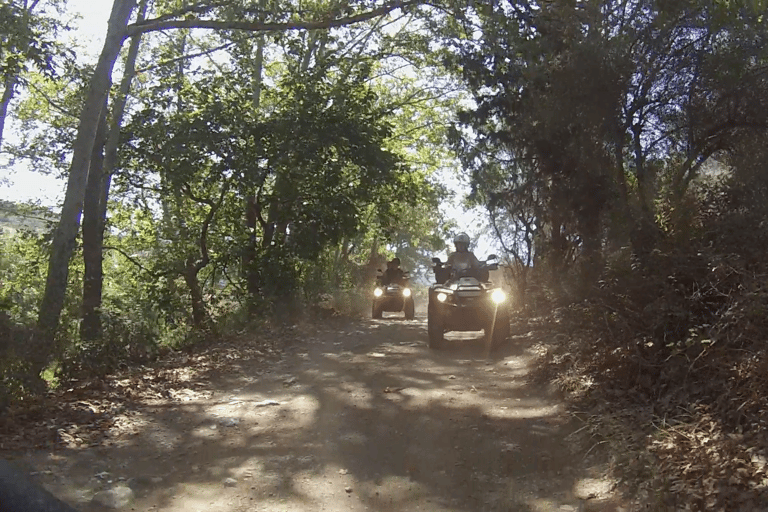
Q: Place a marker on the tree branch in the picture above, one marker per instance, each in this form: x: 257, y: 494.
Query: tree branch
x: 138, y: 264
x: 56, y: 106
x: 214, y: 207
x: 159, y: 24
x: 185, y: 57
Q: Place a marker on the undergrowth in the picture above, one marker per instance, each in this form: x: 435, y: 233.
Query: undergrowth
x: 667, y: 360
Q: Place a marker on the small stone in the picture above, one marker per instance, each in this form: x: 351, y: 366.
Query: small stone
x: 264, y: 403
x: 452, y: 377
x: 348, y: 490
x: 343, y: 471
x: 230, y: 482
x: 229, y: 422
x: 139, y: 483
x: 115, y: 498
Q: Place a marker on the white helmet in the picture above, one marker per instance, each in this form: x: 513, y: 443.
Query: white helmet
x: 461, y: 238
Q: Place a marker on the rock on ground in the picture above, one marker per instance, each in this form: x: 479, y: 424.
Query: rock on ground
x: 114, y: 498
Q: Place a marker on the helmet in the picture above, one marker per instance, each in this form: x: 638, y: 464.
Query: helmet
x: 461, y: 238
x: 396, y: 261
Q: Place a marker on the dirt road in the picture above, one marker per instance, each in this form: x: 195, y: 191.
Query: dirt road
x: 358, y: 416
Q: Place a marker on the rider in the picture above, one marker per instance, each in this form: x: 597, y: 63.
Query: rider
x: 463, y: 258
x: 393, y: 274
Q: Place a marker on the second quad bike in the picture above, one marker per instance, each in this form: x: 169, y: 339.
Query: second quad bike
x: 466, y: 300
x: 393, y: 296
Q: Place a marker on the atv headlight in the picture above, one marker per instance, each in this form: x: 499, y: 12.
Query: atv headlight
x: 441, y: 297
x: 378, y: 292
x: 498, y: 296
x: 406, y: 292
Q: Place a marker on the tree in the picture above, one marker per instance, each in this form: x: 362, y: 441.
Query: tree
x: 102, y: 165
x: 118, y: 30
x: 27, y: 39
x: 311, y: 165
x: 578, y: 104
x: 66, y: 232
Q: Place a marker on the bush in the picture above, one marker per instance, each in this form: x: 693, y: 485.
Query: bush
x: 16, y: 377
x: 676, y: 346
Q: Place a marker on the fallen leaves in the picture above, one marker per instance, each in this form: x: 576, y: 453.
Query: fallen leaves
x: 95, y: 412
x: 695, y: 424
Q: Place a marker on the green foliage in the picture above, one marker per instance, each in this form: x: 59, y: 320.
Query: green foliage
x: 23, y: 268
x: 28, y: 38
x: 46, y: 117
x: 318, y: 161
x: 578, y: 106
x: 22, y: 273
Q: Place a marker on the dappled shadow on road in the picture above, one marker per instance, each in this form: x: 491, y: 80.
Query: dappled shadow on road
x: 360, y: 417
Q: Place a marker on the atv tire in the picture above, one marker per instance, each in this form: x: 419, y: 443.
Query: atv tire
x: 409, y: 308
x: 376, y: 310
x: 435, y: 328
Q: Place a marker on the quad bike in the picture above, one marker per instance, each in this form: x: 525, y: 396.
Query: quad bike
x: 465, y: 300
x: 393, y: 296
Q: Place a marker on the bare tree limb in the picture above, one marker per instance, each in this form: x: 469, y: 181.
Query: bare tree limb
x: 185, y: 57
x: 159, y: 24
x: 137, y: 263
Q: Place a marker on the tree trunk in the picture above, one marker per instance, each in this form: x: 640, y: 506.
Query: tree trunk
x: 97, y: 196
x: 93, y: 238
x: 336, y: 268
x: 374, y: 262
x: 258, y: 65
x: 9, y: 84
x: 64, y: 238
x: 250, y: 260
x: 200, y: 318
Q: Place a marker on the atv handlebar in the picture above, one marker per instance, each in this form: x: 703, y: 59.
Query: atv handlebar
x: 444, y: 272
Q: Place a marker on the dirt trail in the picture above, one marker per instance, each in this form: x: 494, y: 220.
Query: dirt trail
x: 360, y: 416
